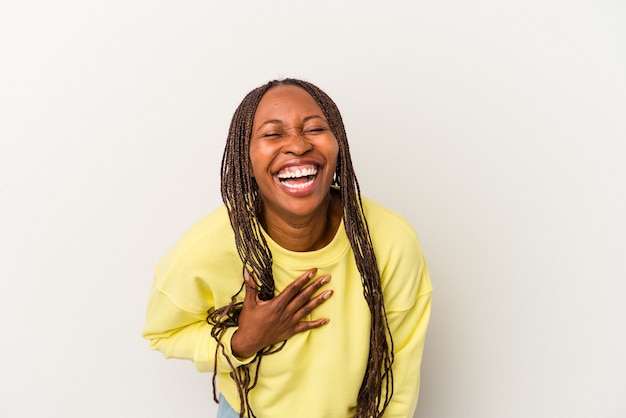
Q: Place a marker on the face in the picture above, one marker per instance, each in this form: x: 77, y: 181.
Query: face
x: 293, y: 153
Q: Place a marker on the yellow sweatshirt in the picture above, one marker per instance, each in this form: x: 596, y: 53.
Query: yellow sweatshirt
x: 319, y: 372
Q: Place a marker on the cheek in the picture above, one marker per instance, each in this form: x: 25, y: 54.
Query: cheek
x: 262, y: 154
x: 253, y: 160
x: 255, y: 168
x: 334, y: 151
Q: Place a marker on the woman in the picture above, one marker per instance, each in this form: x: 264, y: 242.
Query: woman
x: 281, y: 337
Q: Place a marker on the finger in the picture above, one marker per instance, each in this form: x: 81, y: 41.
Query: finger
x: 306, y: 294
x: 307, y: 325
x: 310, y: 306
x: 283, y: 299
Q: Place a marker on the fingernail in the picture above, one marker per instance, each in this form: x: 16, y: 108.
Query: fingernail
x: 325, y: 279
x: 327, y: 294
x: 310, y: 275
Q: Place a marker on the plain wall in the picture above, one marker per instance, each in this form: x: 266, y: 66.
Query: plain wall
x: 497, y: 128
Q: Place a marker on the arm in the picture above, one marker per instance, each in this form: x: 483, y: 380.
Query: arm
x: 409, y: 331
x: 182, y: 332
x: 407, y: 290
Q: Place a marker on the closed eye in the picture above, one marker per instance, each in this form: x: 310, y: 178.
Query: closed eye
x: 271, y: 134
x: 315, y: 130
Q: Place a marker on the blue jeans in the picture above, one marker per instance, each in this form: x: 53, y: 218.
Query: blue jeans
x: 225, y: 410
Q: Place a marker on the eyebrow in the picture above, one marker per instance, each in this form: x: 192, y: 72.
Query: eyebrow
x: 279, y: 122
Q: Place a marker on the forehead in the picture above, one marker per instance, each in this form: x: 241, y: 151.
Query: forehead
x: 287, y: 101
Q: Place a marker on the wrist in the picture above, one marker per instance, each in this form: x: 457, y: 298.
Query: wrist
x: 240, y: 347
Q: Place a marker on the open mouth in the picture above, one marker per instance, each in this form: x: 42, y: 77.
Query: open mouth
x: 297, y: 177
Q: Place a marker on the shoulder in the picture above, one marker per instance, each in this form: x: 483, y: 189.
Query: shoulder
x: 403, y: 270
x: 210, y: 241
x: 215, y: 224
x: 387, y: 227
x: 203, y: 268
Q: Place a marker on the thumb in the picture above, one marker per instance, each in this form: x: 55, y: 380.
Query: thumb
x: 251, y: 287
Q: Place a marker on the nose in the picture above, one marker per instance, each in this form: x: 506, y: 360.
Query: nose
x: 296, y: 144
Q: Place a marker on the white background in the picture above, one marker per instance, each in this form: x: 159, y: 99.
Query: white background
x: 496, y: 127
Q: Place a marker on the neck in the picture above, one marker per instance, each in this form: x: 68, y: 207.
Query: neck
x: 305, y: 233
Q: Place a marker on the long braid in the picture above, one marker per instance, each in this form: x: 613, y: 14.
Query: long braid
x: 245, y: 208
x: 240, y: 195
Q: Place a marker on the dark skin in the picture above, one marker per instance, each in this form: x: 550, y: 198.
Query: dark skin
x: 290, y: 130
x: 263, y: 323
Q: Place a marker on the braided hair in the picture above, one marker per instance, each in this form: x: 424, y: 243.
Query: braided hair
x: 245, y: 208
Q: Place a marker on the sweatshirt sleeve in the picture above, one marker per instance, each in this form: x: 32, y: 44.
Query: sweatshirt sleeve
x: 407, y: 290
x: 183, y: 333
x: 409, y: 331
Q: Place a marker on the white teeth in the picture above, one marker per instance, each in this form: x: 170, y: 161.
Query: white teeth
x: 299, y: 185
x: 304, y: 172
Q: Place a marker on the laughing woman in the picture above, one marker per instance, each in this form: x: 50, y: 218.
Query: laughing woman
x: 303, y: 298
